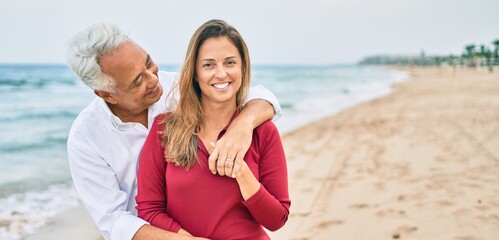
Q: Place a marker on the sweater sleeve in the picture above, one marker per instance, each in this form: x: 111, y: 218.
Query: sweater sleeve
x: 151, y: 182
x: 270, y: 204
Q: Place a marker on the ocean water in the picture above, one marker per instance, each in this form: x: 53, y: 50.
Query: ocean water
x: 39, y: 102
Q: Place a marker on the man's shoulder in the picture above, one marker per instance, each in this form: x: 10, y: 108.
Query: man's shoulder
x: 167, y: 76
x: 89, y: 119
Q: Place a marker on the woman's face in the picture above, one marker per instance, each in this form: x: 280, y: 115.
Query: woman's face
x: 219, y: 70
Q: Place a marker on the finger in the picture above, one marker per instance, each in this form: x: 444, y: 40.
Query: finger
x: 237, y: 166
x: 228, y: 171
x: 222, y: 156
x: 221, y: 164
x: 229, y: 164
x: 212, y: 161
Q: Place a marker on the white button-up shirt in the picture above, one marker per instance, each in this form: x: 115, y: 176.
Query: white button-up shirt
x: 103, y: 157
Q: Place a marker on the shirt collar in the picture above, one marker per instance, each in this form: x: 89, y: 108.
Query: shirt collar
x: 115, y: 120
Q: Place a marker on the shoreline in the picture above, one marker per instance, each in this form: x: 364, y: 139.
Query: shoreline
x: 74, y: 223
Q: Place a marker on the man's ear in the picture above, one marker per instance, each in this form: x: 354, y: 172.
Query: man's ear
x: 107, y: 96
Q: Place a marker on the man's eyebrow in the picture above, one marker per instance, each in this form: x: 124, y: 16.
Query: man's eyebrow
x: 136, y: 79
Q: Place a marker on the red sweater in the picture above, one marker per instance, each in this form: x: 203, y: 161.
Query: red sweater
x: 208, y: 205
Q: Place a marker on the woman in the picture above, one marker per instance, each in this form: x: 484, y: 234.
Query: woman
x: 176, y: 189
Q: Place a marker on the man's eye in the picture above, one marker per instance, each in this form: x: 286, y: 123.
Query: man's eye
x: 138, y: 83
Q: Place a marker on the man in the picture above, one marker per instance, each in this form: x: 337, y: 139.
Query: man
x: 106, y: 138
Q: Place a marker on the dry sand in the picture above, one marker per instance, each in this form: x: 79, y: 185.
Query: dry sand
x: 421, y: 163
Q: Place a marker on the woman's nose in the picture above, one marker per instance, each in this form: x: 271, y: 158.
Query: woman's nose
x: 221, y: 73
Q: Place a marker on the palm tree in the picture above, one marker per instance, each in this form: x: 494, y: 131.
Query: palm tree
x: 487, y: 54
x: 496, y: 52
x: 462, y: 60
x: 481, y: 55
x: 470, y: 54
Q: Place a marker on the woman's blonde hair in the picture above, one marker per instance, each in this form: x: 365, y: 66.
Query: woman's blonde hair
x: 180, y: 132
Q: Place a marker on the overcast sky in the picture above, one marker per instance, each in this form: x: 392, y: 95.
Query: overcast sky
x: 276, y: 31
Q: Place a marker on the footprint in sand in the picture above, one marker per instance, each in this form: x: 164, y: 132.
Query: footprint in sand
x: 465, y: 238
x: 306, y: 190
x: 390, y: 213
x: 359, y: 205
x: 300, y: 238
x: 326, y: 224
x: 403, y: 230
x: 401, y: 198
x: 444, y: 203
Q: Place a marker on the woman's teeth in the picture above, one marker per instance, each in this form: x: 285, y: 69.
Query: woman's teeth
x: 220, y: 85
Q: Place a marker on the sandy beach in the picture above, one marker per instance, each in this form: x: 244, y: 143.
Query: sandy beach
x: 420, y: 163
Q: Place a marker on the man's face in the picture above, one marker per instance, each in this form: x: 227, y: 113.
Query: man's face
x: 136, y: 77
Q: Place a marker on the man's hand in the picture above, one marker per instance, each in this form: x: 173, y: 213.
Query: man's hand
x: 228, y: 153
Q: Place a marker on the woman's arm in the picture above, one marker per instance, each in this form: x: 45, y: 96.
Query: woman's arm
x: 148, y: 232
x: 268, y: 199
x: 151, y: 182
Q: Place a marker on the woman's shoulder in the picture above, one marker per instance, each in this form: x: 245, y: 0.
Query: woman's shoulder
x: 266, y: 127
x: 162, y: 116
x: 159, y: 121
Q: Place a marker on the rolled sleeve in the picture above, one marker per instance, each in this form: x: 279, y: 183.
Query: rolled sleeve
x: 126, y: 226
x: 261, y: 92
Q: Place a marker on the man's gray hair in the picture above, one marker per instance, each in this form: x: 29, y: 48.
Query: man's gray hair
x: 85, y: 50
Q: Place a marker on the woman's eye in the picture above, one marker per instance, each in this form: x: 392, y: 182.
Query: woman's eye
x: 207, y: 65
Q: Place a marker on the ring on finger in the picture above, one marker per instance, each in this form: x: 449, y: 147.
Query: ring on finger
x: 229, y: 160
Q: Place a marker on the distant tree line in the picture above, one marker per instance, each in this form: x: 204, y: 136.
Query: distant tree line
x: 472, y: 56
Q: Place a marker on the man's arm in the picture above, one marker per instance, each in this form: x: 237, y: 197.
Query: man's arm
x: 99, y: 190
x: 149, y: 232
x: 229, y: 151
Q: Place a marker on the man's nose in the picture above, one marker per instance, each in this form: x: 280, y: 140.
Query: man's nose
x: 151, y: 78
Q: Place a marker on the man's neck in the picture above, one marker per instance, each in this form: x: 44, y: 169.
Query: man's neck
x: 126, y: 116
